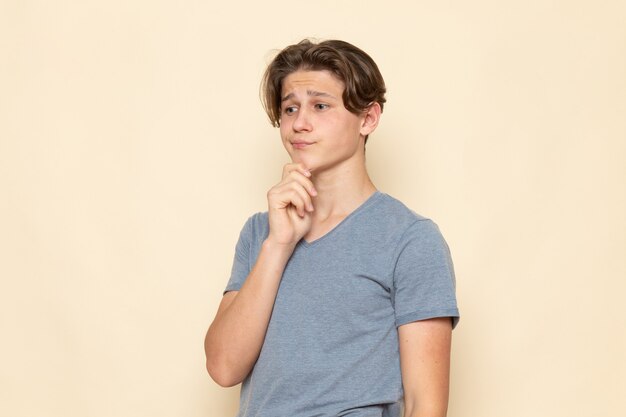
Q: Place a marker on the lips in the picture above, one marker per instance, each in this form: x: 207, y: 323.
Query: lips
x: 300, y: 144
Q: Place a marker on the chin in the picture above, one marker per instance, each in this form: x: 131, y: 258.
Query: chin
x: 307, y: 162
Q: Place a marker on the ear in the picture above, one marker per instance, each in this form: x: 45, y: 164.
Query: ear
x: 371, y: 117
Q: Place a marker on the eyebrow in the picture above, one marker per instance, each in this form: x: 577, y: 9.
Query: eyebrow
x: 309, y: 93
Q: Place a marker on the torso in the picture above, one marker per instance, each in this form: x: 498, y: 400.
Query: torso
x: 318, y: 230
x: 321, y: 228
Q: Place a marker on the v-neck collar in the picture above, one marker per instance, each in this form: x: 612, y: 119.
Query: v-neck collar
x: 376, y: 195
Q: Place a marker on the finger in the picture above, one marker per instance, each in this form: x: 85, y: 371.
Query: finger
x: 299, y: 167
x: 299, y: 198
x: 284, y: 195
x: 297, y: 201
x: 303, y: 194
x: 294, y: 215
x: 306, y: 183
x: 298, y: 172
x: 300, y: 188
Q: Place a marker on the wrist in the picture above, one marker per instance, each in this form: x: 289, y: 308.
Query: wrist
x: 277, y: 247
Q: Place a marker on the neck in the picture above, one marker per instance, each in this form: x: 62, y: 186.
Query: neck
x: 340, y: 190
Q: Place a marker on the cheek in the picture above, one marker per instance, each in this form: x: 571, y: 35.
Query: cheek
x: 349, y: 129
x: 284, y: 139
x: 283, y: 132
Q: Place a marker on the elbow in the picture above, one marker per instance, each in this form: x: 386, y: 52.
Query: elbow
x: 216, y: 365
x: 224, y: 366
x: 222, y: 375
x: 413, y: 408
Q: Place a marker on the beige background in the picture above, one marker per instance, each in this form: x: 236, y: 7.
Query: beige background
x: 133, y: 147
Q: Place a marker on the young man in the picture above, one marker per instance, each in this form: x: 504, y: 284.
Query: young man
x: 341, y: 300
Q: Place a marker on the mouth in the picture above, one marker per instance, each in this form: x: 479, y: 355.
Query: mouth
x: 300, y: 144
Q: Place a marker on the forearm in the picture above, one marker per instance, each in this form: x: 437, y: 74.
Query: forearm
x: 425, y: 363
x: 425, y: 414
x: 433, y: 411
x: 433, y: 393
x: 235, y: 337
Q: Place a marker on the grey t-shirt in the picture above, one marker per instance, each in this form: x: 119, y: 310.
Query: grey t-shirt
x: 331, y: 347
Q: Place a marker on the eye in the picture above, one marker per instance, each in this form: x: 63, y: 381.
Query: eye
x: 321, y: 106
x: 290, y: 110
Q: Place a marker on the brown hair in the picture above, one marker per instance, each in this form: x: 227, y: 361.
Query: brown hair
x: 359, y: 73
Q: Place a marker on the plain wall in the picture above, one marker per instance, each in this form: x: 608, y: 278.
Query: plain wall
x: 133, y: 146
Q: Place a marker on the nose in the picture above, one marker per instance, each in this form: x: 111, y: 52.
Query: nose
x: 302, y: 122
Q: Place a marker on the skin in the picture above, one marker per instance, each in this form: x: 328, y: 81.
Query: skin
x: 326, y: 180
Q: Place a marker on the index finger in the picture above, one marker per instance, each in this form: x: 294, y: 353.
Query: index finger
x: 288, y: 168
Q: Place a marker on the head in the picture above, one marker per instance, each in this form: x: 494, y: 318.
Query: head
x: 363, y: 85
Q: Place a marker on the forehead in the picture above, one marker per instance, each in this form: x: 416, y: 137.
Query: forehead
x: 319, y: 81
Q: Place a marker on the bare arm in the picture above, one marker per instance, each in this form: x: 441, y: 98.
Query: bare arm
x: 234, y: 339
x: 425, y: 364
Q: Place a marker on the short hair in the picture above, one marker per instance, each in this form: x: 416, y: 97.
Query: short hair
x: 363, y: 82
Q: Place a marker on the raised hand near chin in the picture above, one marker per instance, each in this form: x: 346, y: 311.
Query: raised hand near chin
x: 290, y: 204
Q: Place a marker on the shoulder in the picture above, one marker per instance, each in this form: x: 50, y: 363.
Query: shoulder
x: 256, y: 226
x: 409, y: 227
x: 259, y: 219
x: 396, y: 215
x: 398, y: 208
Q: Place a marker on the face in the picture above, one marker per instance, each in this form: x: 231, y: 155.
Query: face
x: 315, y: 127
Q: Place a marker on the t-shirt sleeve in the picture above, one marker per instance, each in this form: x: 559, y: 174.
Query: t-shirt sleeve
x: 424, y: 281
x: 241, y: 261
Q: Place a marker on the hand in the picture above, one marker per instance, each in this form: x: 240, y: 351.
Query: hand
x: 290, y: 205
